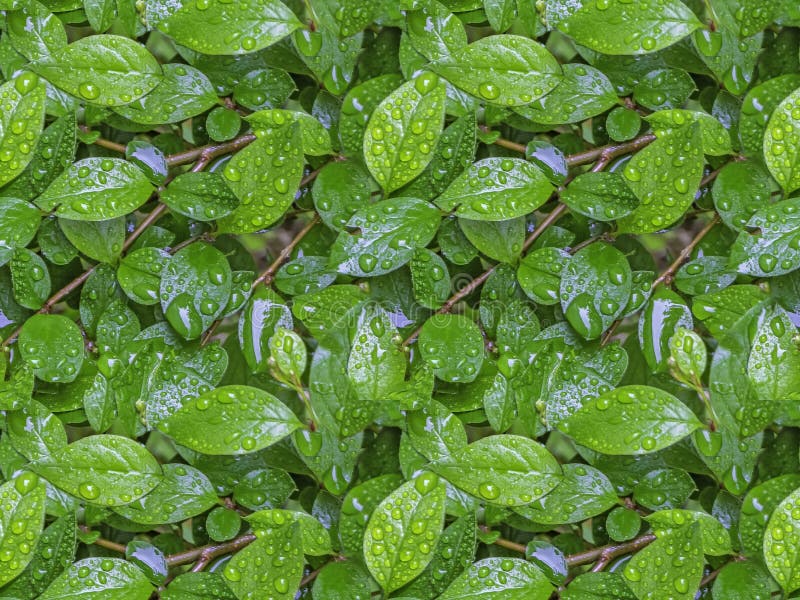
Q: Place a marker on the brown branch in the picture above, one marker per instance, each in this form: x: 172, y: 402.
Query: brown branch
x: 211, y: 151
x: 669, y: 274
x: 104, y: 143
x: 211, y: 551
x: 610, y: 552
x: 104, y: 543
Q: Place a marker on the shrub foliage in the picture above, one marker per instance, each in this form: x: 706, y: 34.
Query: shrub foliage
x: 413, y: 299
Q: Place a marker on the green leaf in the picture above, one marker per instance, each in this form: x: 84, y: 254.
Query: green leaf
x: 234, y: 419
x: 774, y: 363
x: 99, y: 240
x: 53, y: 346
x: 663, y: 489
x: 435, y: 432
x: 316, y: 139
x: 316, y: 541
x: 264, y: 312
x: 670, y: 567
x: 386, y: 236
x: 502, y: 69
x: 453, y: 346
x: 30, y: 278
x: 597, y: 267
x: 740, y: 189
x: 499, y: 240
x: 358, y: 105
x: 664, y: 176
x: 721, y: 310
x: 716, y: 539
x: 272, y: 563
x: 616, y: 27
x: 200, y: 196
x: 34, y: 31
x: 183, y: 492
x: 264, y: 176
x: 716, y: 139
x: 100, y: 579
x: 663, y: 89
x: 430, y: 277
x: 247, y: 27
x: 688, y: 351
x: 583, y: 492
x: 770, y: 244
x: 195, y: 286
x: 758, y: 106
x: 21, y: 123
x: 502, y: 469
x: 55, y: 151
x: 598, y: 586
x: 100, y: 13
x: 289, y: 352
x: 634, y: 419
x: 600, y: 196
x: 139, y: 274
x: 198, y: 586
x: 403, y: 130
x: 396, y: 547
x: 434, y: 31
x: 583, y: 92
x: 54, y: 552
x: 21, y: 523
x: 358, y: 505
x: 19, y: 221
x: 96, y: 189
x: 539, y: 274
x: 342, y: 581
x: 742, y: 581
x: 782, y: 543
x: 664, y: 313
x: 183, y: 92
x: 782, y: 143
x: 496, y: 189
x: 107, y: 70
x: 500, y: 579
x: 757, y: 507
x: 34, y: 431
x: 107, y: 470
x: 340, y: 189
x: 376, y: 367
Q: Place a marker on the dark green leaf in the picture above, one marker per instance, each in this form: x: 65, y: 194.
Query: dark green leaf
x: 100, y: 578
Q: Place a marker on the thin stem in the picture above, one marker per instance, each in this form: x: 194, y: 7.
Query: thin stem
x: 211, y: 551
x: 211, y: 151
x: 104, y: 543
x: 669, y: 274
x: 104, y: 143
x: 610, y: 552
x: 269, y: 273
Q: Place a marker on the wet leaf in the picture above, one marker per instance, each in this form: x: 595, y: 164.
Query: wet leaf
x: 398, y: 543
x: 781, y: 143
x: 107, y: 578
x: 501, y: 69
x: 453, y: 346
x: 669, y: 567
x: 53, y: 346
x: 664, y: 176
x: 769, y: 246
x: 781, y: 543
x: 246, y: 27
x: 21, y: 522
x: 21, y: 123
x: 596, y: 267
x: 503, y: 469
x: 496, y: 578
x: 646, y: 27
x: 600, y: 196
x: 384, y: 237
x: 107, y: 70
x: 635, y: 419
x: 197, y: 267
x: 233, y: 419
x: 106, y: 470
x: 496, y: 189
